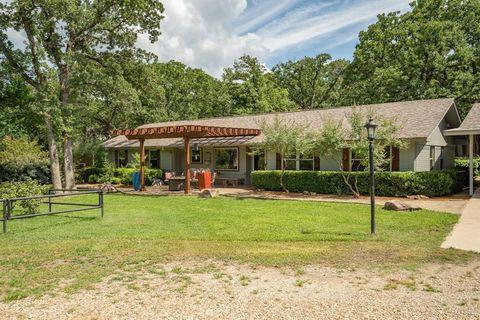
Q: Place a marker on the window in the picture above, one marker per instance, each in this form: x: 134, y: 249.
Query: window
x: 356, y: 163
x: 387, y: 163
x: 306, y: 162
x: 290, y: 162
x: 432, y: 157
x: 196, y: 156
x: 442, y: 151
x: 259, y: 161
x: 226, y: 159
x: 154, y: 159
x: 121, y: 158
x: 295, y: 162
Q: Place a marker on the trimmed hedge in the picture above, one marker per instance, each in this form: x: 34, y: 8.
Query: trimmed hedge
x: 462, y: 164
x: 120, y: 175
x: 429, y: 183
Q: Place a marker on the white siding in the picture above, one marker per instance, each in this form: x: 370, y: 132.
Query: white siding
x: 271, y: 160
x: 329, y: 164
x: 407, y: 157
x: 422, y: 157
x: 166, y: 160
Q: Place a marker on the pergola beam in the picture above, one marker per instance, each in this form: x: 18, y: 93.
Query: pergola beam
x: 190, y: 131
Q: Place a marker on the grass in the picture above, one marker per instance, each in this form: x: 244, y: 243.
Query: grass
x: 140, y: 232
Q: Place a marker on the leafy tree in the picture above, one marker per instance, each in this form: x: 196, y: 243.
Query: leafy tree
x: 22, y: 159
x: 335, y: 136
x: 312, y: 82
x: 17, y: 117
x: 253, y: 90
x: 61, y: 35
x: 285, y: 138
x: 432, y: 51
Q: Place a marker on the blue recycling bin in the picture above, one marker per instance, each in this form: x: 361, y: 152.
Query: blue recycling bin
x: 136, y: 181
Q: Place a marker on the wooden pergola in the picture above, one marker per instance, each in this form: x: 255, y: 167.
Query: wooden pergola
x: 186, y: 132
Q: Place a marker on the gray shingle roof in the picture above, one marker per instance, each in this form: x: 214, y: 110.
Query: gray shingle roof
x: 472, y: 120
x: 416, y: 119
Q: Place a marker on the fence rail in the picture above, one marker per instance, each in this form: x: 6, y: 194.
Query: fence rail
x: 8, y: 204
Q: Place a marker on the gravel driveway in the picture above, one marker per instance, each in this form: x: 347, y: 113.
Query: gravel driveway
x: 214, y: 290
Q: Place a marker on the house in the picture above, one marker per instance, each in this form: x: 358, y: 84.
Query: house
x: 422, y: 124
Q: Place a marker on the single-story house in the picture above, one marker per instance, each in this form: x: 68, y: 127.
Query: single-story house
x: 422, y: 123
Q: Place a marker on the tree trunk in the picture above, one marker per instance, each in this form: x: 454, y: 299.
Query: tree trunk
x: 281, y: 177
x: 67, y: 142
x: 53, y: 153
x: 68, y: 164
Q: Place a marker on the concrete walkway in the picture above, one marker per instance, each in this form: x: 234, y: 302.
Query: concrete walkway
x: 466, y: 233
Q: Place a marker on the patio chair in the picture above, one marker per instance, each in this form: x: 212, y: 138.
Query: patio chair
x: 168, y: 176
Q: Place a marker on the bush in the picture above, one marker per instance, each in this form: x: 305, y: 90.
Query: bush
x: 117, y: 175
x: 23, y: 160
x: 429, y: 183
x: 462, y: 164
x: 27, y: 188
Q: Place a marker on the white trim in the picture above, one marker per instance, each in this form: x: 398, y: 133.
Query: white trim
x: 470, y: 163
x: 461, y: 132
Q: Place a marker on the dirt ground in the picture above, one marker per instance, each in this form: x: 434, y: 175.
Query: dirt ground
x: 216, y: 290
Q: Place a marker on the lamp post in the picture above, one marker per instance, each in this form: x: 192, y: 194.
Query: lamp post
x: 371, y: 126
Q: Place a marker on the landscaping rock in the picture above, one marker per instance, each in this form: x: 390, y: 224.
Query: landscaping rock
x: 400, y: 206
x: 418, y: 197
x: 209, y: 193
x: 107, y: 187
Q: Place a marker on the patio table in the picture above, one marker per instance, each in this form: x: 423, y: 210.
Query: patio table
x: 176, y: 184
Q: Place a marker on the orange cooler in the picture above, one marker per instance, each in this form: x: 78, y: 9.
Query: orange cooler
x: 204, y: 180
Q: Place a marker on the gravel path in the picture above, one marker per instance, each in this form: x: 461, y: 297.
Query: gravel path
x: 213, y: 290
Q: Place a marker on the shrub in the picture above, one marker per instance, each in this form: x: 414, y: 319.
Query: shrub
x: 117, y: 175
x: 430, y: 183
x: 462, y: 164
x: 23, y: 160
x: 26, y: 188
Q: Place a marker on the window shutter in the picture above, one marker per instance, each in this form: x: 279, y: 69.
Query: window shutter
x: 316, y: 163
x: 116, y: 159
x: 346, y: 159
x: 278, y: 163
x: 395, y: 159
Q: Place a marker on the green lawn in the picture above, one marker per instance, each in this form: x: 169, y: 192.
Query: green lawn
x: 139, y: 232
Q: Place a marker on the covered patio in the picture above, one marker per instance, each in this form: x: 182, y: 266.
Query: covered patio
x: 470, y: 128
x: 187, y: 133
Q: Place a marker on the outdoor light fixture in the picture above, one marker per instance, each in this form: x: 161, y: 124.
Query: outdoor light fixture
x: 371, y: 126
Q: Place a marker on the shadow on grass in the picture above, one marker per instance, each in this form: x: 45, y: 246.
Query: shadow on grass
x: 70, y: 220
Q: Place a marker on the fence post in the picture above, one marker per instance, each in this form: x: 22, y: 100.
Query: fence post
x: 5, y: 215
x: 49, y: 201
x: 100, y: 200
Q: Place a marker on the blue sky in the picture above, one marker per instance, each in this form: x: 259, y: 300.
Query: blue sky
x: 298, y: 28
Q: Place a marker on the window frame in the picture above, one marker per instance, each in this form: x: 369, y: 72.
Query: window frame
x: 157, y: 158
x: 297, y: 161
x: 257, y: 155
x: 431, y: 157
x: 200, y: 154
x: 226, y: 148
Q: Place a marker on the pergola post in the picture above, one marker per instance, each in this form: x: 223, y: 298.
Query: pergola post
x: 470, y: 163
x: 142, y: 165
x: 186, y: 141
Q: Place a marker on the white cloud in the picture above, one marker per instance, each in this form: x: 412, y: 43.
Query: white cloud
x: 211, y: 34
x: 199, y: 33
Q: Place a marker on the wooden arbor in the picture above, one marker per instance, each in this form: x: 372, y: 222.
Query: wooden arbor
x: 186, y: 132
